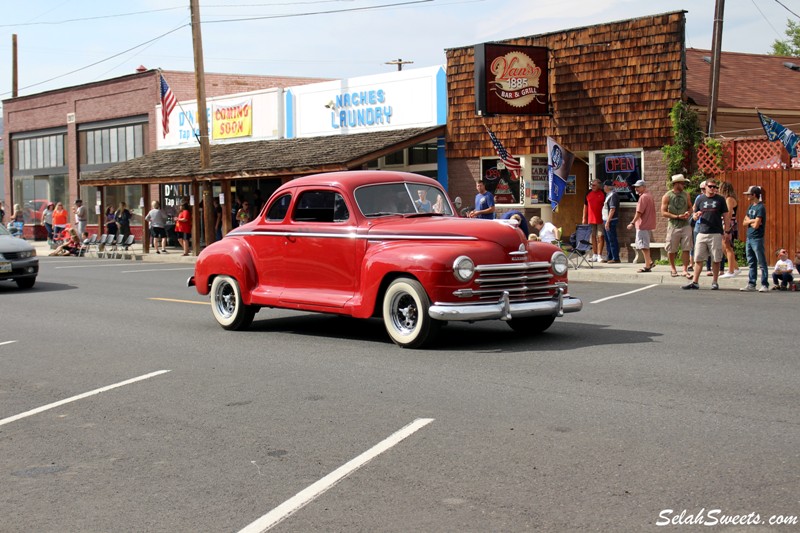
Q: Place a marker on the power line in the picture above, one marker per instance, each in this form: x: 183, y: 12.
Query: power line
x: 786, y: 8
x: 366, y: 8
x: 67, y: 21
x: 102, y: 60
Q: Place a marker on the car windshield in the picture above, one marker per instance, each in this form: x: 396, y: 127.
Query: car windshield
x: 401, y: 198
x: 3, y: 230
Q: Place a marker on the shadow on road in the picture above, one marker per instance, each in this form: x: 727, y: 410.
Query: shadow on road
x: 41, y: 286
x: 492, y: 336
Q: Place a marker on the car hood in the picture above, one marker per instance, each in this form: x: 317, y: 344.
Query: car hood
x: 438, y: 227
x: 13, y: 244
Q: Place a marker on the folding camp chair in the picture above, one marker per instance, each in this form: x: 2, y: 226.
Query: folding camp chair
x: 578, y: 248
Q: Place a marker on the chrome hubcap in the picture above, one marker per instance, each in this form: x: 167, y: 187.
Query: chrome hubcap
x: 225, y: 300
x: 404, y: 313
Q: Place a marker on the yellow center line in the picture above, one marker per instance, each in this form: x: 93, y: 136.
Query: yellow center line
x: 180, y: 301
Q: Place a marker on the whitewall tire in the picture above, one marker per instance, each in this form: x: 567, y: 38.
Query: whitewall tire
x: 227, y: 305
x: 405, y: 314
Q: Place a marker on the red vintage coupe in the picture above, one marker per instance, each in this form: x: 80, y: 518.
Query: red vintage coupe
x: 382, y: 244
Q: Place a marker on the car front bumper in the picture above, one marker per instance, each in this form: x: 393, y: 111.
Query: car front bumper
x: 20, y: 268
x: 504, y: 309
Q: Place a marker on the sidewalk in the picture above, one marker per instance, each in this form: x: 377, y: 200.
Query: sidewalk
x: 602, y: 272
x: 174, y: 255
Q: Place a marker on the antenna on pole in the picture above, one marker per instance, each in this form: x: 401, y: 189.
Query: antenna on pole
x: 399, y: 63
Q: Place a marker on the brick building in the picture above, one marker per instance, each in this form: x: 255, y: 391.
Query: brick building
x: 53, y: 138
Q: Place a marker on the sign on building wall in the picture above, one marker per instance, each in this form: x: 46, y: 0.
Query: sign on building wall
x: 232, y: 121
x: 256, y: 115
x: 396, y: 100
x: 511, y: 80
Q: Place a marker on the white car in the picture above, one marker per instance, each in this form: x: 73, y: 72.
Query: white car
x: 18, y: 261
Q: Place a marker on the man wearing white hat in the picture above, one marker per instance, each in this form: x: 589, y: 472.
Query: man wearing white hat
x: 645, y: 222
x: 675, y: 206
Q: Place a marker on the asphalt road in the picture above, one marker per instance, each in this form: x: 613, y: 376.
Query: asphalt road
x: 650, y: 401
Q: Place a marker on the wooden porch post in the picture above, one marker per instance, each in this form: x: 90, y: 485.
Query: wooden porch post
x: 145, y: 227
x: 226, y: 210
x: 196, y: 218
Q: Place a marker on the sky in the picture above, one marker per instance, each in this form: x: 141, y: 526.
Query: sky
x: 62, y: 43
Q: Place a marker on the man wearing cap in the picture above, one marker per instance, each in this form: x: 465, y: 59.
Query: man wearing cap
x: 675, y: 207
x: 645, y: 222
x: 754, y: 245
x: 610, y: 220
x: 80, y: 216
x: 711, y: 218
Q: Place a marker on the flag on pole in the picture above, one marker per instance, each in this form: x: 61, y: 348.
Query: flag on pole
x: 559, y: 162
x: 168, y: 103
x: 511, y: 163
x: 776, y: 132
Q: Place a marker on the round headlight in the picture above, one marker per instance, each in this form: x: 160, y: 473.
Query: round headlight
x: 560, y: 263
x: 463, y: 268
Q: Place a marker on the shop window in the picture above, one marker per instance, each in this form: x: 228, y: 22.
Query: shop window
x: 115, y: 144
x: 33, y: 193
x: 42, y: 152
x: 624, y: 168
x: 395, y: 159
x: 502, y: 183
x: 422, y: 154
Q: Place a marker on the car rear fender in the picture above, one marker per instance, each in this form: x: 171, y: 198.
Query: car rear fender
x: 228, y: 257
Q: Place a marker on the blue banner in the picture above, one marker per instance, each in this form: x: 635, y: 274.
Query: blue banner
x: 777, y: 132
x: 559, y: 162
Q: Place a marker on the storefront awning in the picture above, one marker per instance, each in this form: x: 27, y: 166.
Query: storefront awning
x: 277, y: 158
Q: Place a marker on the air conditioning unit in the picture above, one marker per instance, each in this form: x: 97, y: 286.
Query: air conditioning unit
x: 70, y: 118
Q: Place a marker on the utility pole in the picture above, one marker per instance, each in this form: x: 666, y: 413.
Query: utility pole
x: 14, y: 73
x: 205, y: 149
x: 399, y: 63
x: 716, y: 50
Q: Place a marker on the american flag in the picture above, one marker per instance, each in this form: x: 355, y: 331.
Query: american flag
x: 168, y: 103
x: 511, y: 163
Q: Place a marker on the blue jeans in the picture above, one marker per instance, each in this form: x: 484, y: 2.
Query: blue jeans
x: 755, y: 259
x: 612, y: 244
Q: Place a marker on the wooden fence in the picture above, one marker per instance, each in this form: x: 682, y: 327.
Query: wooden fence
x: 782, y: 228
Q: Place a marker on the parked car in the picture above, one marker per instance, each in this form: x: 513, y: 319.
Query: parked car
x: 369, y: 244
x: 33, y: 210
x: 18, y: 261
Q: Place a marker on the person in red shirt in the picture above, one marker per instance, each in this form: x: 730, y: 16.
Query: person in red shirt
x: 593, y: 215
x: 183, y: 227
x: 645, y: 222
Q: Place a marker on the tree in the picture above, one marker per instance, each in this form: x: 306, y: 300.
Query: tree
x: 790, y: 46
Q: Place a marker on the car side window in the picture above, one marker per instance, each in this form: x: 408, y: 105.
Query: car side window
x: 279, y: 208
x: 320, y: 206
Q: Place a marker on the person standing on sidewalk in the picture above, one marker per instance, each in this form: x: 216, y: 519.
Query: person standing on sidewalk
x: 754, y: 222
x: 593, y: 215
x: 726, y: 190
x: 81, y: 216
x: 711, y: 218
x: 645, y: 222
x: 610, y: 220
x: 675, y: 207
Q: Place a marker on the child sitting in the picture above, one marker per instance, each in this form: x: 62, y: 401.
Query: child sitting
x: 782, y: 272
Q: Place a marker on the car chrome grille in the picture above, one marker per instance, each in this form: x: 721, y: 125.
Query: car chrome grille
x: 522, y: 281
x: 13, y: 255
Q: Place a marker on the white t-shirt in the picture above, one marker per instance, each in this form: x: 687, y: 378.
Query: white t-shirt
x: 784, y: 265
x: 548, y: 233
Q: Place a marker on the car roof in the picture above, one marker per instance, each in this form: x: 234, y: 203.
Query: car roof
x: 356, y: 178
